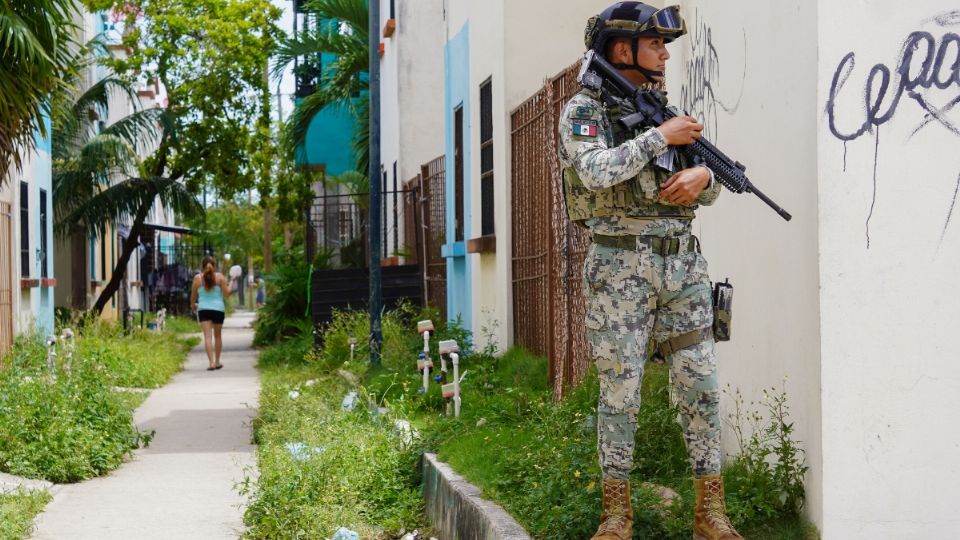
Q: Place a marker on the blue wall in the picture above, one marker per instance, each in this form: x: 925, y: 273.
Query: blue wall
x: 456, y: 66
x: 329, y: 139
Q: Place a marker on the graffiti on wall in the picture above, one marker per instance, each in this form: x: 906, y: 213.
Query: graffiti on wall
x: 699, y: 93
x: 925, y: 77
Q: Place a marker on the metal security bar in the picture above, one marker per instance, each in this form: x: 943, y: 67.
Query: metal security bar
x: 337, y: 229
x: 433, y: 187
x: 548, y: 250
x: 6, y: 278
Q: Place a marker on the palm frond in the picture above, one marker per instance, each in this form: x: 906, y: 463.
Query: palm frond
x: 121, y: 201
x: 353, y: 12
x: 35, y: 37
x: 140, y: 129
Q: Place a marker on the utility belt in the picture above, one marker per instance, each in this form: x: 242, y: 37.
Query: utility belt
x: 659, y: 245
x: 722, y: 292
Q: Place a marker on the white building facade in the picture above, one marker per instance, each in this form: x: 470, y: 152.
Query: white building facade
x: 849, y: 117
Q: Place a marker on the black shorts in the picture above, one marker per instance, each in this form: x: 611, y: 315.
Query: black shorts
x: 212, y: 315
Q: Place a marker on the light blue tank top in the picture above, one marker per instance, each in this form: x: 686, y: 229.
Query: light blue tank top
x: 212, y: 299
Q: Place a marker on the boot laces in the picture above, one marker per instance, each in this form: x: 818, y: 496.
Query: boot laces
x: 716, y: 509
x: 616, y: 519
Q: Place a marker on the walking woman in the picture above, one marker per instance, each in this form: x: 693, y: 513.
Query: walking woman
x: 209, y: 289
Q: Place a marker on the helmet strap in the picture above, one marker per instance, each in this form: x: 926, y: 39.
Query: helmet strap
x: 648, y: 73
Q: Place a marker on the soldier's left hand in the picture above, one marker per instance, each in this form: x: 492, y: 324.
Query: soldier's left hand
x: 684, y: 187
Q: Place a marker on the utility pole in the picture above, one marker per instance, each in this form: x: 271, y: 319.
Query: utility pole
x: 376, y: 332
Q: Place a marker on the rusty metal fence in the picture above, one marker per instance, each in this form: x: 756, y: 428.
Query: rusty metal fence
x: 6, y: 278
x: 432, y: 180
x: 548, y: 250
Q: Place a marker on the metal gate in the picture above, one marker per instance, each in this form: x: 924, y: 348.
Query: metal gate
x: 433, y: 186
x: 548, y: 250
x: 6, y: 279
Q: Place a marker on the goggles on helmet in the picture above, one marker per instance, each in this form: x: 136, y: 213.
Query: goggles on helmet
x: 666, y: 22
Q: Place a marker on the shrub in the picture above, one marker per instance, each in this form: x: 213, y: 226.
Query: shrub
x: 63, y: 430
x: 71, y: 424
x: 283, y: 315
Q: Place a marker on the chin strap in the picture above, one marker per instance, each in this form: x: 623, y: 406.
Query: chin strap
x: 648, y: 73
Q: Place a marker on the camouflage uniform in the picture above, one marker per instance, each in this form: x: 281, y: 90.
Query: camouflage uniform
x: 611, y: 181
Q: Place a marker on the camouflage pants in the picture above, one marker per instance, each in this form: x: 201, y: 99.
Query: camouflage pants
x: 632, y: 295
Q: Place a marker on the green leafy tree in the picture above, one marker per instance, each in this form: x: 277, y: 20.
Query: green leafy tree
x: 98, y: 177
x: 235, y: 227
x: 35, y: 43
x: 341, y: 30
x: 211, y: 56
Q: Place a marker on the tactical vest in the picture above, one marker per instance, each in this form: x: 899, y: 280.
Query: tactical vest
x: 638, y: 197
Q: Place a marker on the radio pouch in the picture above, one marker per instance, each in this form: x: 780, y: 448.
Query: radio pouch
x: 722, y: 310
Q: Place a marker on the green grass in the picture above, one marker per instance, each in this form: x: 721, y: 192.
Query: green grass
x: 535, y: 457
x: 320, y: 468
x: 17, y: 510
x: 182, y: 325
x: 73, y: 423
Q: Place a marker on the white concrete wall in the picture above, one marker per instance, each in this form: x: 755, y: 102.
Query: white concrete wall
x: 517, y: 56
x: 747, y: 69
x: 889, y: 253
x: 418, y: 43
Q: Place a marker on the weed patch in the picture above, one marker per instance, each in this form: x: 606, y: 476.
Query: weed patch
x: 534, y: 456
x: 17, y: 510
x: 321, y: 468
x: 71, y: 423
x: 182, y: 325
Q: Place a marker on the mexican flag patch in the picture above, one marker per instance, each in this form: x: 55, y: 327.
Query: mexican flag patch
x: 585, y: 128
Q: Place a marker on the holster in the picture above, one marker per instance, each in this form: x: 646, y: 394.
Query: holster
x: 722, y: 310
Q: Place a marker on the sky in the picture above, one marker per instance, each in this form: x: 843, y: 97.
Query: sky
x: 286, y: 84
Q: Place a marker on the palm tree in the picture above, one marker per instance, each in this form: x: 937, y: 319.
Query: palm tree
x: 342, y: 31
x: 35, y: 43
x: 98, y: 177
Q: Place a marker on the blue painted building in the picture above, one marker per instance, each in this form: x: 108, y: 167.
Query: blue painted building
x: 329, y: 141
x: 457, y: 105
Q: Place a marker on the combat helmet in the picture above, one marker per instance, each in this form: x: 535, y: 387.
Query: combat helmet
x: 633, y: 20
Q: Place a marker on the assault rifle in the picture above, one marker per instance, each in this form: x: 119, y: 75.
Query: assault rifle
x: 597, y: 74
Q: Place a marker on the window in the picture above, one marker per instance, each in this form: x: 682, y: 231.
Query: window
x: 486, y: 159
x: 43, y: 234
x: 24, y: 230
x: 458, y: 175
x: 393, y: 9
x: 103, y: 255
x: 396, y: 217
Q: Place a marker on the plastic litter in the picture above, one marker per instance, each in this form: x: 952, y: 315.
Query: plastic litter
x: 301, y: 452
x: 344, y: 533
x: 349, y: 402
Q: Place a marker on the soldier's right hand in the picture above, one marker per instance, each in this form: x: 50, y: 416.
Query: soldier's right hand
x: 681, y: 130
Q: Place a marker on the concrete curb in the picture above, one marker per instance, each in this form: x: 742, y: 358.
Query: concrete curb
x: 10, y: 483
x: 456, y: 510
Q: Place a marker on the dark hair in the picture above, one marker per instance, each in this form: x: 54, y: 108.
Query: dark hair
x: 209, y: 266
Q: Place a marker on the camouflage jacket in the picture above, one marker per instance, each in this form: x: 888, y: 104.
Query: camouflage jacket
x: 605, y: 177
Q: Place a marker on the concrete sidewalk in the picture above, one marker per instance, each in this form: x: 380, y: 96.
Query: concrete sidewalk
x: 183, y: 485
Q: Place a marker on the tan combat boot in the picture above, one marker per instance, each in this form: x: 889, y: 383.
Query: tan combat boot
x: 616, y: 521
x: 710, y: 521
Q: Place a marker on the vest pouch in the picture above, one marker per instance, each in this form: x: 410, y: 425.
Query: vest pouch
x: 645, y: 186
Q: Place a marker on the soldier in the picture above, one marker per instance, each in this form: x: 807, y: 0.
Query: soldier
x: 644, y: 277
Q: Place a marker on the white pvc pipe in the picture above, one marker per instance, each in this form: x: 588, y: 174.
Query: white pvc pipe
x: 455, y: 358
x: 426, y: 361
